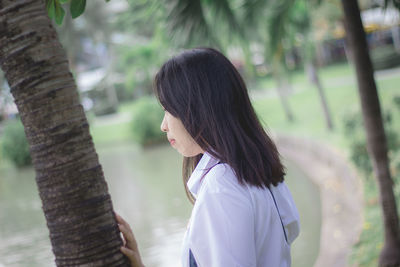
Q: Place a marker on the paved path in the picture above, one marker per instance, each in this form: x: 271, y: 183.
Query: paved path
x: 341, y: 195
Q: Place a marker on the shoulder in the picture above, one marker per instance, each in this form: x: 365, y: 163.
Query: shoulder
x: 220, y: 178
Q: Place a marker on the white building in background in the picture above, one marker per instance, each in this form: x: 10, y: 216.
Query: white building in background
x: 381, y: 19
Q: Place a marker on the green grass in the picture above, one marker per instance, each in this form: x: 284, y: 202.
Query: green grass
x: 366, y: 251
x: 127, y: 107
x: 342, y: 98
x: 111, y: 133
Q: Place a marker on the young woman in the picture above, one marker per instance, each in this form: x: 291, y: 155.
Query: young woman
x: 243, y: 213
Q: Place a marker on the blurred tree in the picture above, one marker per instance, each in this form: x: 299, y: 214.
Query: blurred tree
x: 70, y: 38
x: 290, y: 23
x: 77, y: 207
x: 87, y: 41
x: 376, y: 139
x: 302, y: 22
x: 144, y: 47
x: 138, y: 63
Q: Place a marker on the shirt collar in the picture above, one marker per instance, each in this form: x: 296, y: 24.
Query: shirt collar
x: 206, y: 162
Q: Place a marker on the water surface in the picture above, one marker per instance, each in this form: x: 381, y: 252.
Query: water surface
x: 146, y: 189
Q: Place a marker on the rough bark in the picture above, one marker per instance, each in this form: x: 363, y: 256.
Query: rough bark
x: 376, y: 140
x: 76, y: 204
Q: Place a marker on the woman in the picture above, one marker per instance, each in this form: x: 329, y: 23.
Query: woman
x: 243, y: 213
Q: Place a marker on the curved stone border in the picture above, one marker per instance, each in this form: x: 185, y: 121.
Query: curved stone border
x: 341, y: 195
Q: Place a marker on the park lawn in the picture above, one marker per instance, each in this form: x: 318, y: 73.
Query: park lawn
x: 342, y: 98
x: 109, y: 134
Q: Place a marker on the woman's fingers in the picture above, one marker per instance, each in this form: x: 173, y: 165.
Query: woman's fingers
x: 133, y: 257
x: 127, y: 233
x: 121, y: 220
x: 128, y: 236
x: 130, y: 248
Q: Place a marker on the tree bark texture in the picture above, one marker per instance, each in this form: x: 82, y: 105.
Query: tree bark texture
x: 376, y: 139
x: 74, y: 194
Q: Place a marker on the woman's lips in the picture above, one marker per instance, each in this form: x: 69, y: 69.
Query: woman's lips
x: 171, y: 141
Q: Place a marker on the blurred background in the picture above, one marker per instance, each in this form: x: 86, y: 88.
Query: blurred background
x: 295, y: 60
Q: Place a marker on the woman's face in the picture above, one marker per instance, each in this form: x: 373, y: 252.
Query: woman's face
x: 178, y: 137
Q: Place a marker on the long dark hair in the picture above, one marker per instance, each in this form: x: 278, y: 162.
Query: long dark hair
x: 204, y: 90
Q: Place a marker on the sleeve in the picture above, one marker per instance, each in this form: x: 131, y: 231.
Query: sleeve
x: 222, y: 232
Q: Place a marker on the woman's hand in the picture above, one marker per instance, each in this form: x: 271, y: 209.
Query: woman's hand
x: 130, y: 248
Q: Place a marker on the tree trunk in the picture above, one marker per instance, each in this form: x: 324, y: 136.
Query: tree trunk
x: 76, y: 204
x: 3, y: 115
x: 314, y: 78
x: 282, y: 90
x: 396, y: 38
x: 376, y: 139
x: 282, y: 86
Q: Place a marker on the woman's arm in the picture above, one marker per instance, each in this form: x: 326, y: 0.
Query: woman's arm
x: 130, y: 248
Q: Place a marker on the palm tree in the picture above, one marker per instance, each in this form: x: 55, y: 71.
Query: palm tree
x: 287, y: 19
x: 301, y: 22
x: 279, y: 16
x: 76, y: 204
x: 376, y: 139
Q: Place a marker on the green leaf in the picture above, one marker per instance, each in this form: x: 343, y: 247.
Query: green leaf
x: 50, y: 8
x: 77, y: 7
x: 63, y: 1
x: 59, y: 13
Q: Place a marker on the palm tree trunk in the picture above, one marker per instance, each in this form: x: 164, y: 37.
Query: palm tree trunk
x: 282, y: 89
x: 283, y: 86
x: 76, y: 204
x: 376, y: 139
x: 314, y: 78
x: 396, y: 38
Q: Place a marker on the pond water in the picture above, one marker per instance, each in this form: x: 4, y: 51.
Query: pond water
x: 146, y: 189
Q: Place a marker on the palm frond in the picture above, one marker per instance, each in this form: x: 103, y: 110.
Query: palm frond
x: 394, y: 3
x: 224, y: 11
x: 278, y: 22
x: 253, y: 10
x: 186, y: 21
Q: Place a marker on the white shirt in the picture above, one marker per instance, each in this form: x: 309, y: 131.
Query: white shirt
x: 237, y: 225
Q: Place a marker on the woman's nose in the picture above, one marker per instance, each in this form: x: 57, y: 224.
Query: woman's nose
x: 164, y: 127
